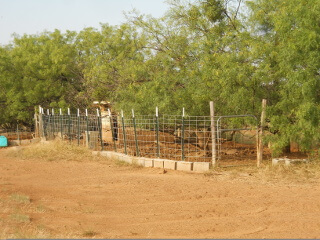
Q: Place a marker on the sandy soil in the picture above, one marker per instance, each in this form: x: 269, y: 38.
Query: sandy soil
x: 102, y: 200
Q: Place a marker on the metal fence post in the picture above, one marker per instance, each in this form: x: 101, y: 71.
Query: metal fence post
x: 260, y: 133
x: 36, y: 123
x: 87, y: 121
x: 124, y: 134
x: 182, y: 137
x: 49, y: 128
x: 69, y: 125
x: 43, y: 132
x: 61, y: 126
x: 112, y: 130
x: 53, y: 123
x: 18, y: 134
x: 78, y: 115
x: 213, y: 135
x: 40, y: 122
x: 135, y: 133
x: 157, y: 132
x: 100, y: 129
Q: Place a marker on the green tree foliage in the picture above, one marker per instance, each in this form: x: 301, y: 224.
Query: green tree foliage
x: 6, y: 80
x: 199, y: 52
x: 287, y: 40
x: 111, y: 59
x: 41, y: 70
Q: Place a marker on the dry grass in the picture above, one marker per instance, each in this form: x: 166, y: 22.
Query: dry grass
x: 20, y: 198
x: 297, y: 173
x: 20, y: 218
x: 16, y: 212
x: 125, y: 164
x: 89, y: 234
x: 300, y: 173
x: 53, y: 151
x: 62, y: 151
x: 14, y: 215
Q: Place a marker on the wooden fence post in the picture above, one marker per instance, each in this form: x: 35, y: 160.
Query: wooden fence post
x: 213, y: 135
x: 260, y: 133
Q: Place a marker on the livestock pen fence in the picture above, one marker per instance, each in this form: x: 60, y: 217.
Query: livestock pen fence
x: 231, y: 141
x: 18, y: 133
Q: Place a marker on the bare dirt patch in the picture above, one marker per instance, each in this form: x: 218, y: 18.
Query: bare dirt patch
x: 68, y: 194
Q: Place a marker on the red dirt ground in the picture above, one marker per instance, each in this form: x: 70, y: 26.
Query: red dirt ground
x: 102, y: 200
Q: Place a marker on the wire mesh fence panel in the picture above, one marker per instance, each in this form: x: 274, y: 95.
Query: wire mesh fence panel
x: 17, y: 133
x: 81, y: 130
x: 166, y: 136
x: 180, y: 138
x: 237, y: 138
x: 185, y: 138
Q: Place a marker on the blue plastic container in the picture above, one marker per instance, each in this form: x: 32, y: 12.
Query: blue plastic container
x: 3, y: 141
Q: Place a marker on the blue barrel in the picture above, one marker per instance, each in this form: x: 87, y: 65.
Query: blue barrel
x: 3, y: 141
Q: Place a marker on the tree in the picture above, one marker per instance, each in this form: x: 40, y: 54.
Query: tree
x: 199, y: 52
x: 288, y: 58
x: 41, y: 71
x: 111, y: 59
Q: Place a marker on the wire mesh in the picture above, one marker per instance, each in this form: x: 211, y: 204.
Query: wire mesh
x: 237, y: 140
x: 167, y: 136
x: 81, y: 130
x: 174, y: 137
x: 17, y: 133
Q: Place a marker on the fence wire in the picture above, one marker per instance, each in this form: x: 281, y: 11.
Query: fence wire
x: 187, y: 138
x: 17, y: 133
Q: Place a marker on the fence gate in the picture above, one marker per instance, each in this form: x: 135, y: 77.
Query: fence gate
x: 237, y: 140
